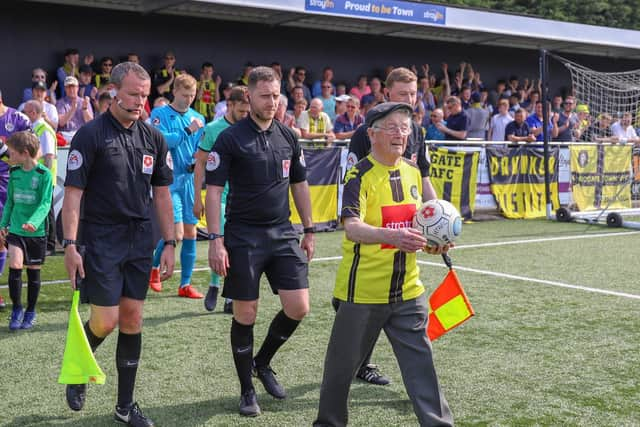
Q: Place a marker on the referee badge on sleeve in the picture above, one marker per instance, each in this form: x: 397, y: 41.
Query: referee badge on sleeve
x: 147, y: 164
x: 74, y: 161
x: 213, y: 161
x: 286, y: 165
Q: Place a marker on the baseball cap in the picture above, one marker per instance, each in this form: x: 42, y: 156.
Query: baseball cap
x: 70, y: 81
x: 39, y: 85
x: 582, y: 108
x: 343, y: 98
x: 381, y: 111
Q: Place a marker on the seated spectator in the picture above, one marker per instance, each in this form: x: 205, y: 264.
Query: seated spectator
x: 285, y: 118
x: 341, y: 104
x: 341, y: 89
x: 457, y: 121
x: 346, y: 124
x: 104, y: 102
x: 600, y: 130
x: 499, y: 122
x: 315, y: 123
x: 316, y: 89
x: 535, y: 123
x: 299, y: 108
x: 73, y: 111
x: 623, y: 132
x: 295, y: 80
x: 221, y: 107
x: 584, y: 118
x: 164, y: 77
x: 518, y: 129
x: 328, y: 100
x: 376, y: 96
x: 433, y: 133
x: 478, y: 118
x: 86, y: 87
x: 69, y: 68
x: 102, y: 78
x: 49, y: 111
x: 37, y: 75
x: 296, y: 94
x: 362, y: 88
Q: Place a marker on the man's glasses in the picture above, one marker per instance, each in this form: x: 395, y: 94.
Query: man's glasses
x: 107, y: 64
x: 393, y: 130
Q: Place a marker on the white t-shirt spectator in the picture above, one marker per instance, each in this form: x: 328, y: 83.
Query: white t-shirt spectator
x: 498, y: 125
x: 623, y: 134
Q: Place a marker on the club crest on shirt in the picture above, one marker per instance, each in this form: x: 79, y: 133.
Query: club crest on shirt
x: 352, y: 159
x: 74, y: 161
x: 156, y: 121
x: 414, y: 192
x: 286, y: 165
x: 9, y: 127
x: 213, y: 161
x: 147, y: 164
x: 34, y: 182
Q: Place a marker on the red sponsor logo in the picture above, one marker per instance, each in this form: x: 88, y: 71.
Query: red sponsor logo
x: 398, y: 216
x: 428, y: 212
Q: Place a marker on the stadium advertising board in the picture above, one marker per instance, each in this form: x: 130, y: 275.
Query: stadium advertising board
x: 393, y: 10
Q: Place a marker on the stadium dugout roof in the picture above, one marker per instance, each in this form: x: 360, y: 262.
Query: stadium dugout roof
x: 395, y: 18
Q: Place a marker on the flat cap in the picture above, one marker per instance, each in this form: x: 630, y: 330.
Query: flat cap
x: 381, y: 111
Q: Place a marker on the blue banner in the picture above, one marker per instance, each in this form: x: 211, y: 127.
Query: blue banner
x: 383, y: 9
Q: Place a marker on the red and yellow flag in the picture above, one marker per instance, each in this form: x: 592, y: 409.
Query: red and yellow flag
x: 448, y: 306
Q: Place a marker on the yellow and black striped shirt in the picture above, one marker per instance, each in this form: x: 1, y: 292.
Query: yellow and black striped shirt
x: 380, y: 196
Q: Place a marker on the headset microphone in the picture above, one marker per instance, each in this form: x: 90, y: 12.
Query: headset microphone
x: 128, y: 110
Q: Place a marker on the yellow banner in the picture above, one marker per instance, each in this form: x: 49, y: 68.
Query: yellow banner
x: 454, y: 177
x: 324, y: 206
x: 600, y: 176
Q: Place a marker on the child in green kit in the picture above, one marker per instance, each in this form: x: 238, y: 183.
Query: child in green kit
x: 23, y: 223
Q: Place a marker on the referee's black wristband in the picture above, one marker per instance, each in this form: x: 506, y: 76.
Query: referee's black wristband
x: 308, y: 230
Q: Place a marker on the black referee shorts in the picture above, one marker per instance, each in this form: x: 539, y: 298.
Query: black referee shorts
x: 33, y: 248
x: 254, y: 250
x: 117, y: 262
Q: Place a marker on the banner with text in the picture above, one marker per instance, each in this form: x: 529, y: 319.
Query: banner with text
x: 454, y: 176
x: 600, y: 176
x: 635, y: 186
x: 393, y: 10
x: 517, y: 180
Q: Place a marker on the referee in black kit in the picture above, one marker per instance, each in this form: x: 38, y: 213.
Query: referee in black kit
x: 261, y: 159
x: 114, y: 162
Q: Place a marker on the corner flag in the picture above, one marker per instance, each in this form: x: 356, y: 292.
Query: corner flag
x: 79, y: 366
x: 448, y: 304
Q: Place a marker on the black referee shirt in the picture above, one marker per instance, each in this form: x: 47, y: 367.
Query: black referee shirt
x: 259, y: 165
x: 416, y: 150
x: 116, y: 168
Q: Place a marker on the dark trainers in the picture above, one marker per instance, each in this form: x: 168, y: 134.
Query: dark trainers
x: 268, y: 378
x: 29, y: 320
x: 76, y: 395
x: 249, y: 404
x: 132, y: 416
x: 16, y: 318
x: 211, y: 299
x: 228, y: 307
x: 372, y: 375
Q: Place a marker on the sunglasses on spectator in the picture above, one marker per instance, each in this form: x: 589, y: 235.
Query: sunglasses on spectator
x: 107, y: 64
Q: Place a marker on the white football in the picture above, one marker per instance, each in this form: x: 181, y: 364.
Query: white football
x: 439, y: 221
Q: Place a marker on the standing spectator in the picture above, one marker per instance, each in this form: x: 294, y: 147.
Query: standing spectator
x: 40, y: 75
x: 102, y: 78
x: 327, y: 76
x: 556, y: 104
x: 362, y: 88
x: 316, y: 124
x: 73, y: 111
x: 347, y: 123
x: 11, y: 121
x: 104, y: 102
x: 133, y: 57
x: 425, y: 96
x: 49, y: 111
x: 285, y: 118
x: 377, y: 94
x: 262, y: 161
x: 457, y: 121
x: 86, y: 86
x: 298, y: 109
x: 433, y: 133
x: 221, y: 107
x: 465, y: 97
x: 341, y: 89
x: 163, y: 78
x: 296, y: 79
x: 518, y: 129
x: 499, y: 122
x: 328, y: 100
x: 277, y: 68
x: 114, y: 187
x: 181, y: 127
x: 566, y: 122
x: 341, y: 104
x: 380, y: 289
x: 297, y: 93
x: 514, y: 104
x: 243, y: 80
x: 207, y: 95
x: 70, y: 68
x: 22, y: 226
x: 496, y: 95
x: 535, y: 123
x: 49, y: 158
x: 478, y: 118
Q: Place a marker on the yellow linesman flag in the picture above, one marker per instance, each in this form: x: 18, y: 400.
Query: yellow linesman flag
x: 448, y: 306
x: 79, y: 366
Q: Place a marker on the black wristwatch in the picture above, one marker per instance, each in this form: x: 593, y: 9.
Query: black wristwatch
x: 309, y: 230
x: 67, y: 242
x: 214, y: 236
x: 171, y: 242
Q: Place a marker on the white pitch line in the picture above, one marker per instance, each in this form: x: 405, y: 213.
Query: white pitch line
x: 545, y: 239
x: 531, y: 279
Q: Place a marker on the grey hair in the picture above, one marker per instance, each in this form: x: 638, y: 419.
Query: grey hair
x: 120, y: 71
x: 284, y: 100
x: 37, y: 106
